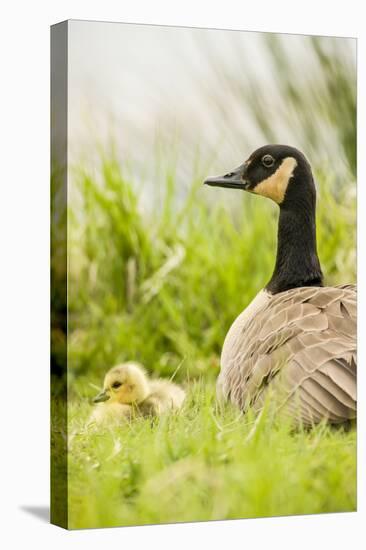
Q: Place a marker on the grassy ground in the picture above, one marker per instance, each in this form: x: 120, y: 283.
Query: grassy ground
x: 204, y: 464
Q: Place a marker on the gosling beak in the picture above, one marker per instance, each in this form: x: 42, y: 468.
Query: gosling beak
x: 102, y: 396
x: 233, y: 180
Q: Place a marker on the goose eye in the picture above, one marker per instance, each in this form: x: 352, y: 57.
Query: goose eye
x: 268, y: 161
x: 116, y: 385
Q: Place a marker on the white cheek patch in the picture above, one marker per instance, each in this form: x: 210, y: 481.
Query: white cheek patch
x: 275, y: 186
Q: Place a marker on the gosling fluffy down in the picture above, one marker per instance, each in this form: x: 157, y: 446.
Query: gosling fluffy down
x: 111, y: 413
x: 128, y: 392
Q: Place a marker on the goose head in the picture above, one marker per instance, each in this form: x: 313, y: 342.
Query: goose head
x: 126, y: 383
x: 278, y: 172
x: 282, y: 174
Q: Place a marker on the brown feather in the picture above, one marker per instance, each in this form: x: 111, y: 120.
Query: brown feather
x: 298, y: 345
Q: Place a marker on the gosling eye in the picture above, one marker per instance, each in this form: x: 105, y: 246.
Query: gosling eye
x: 116, y: 385
x: 268, y: 161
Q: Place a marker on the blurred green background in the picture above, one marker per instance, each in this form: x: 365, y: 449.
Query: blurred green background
x: 159, y: 266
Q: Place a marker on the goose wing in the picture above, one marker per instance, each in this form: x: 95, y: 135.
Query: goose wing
x: 300, y: 346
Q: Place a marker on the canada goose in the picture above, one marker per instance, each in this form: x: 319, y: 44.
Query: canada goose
x: 128, y: 385
x: 296, y: 341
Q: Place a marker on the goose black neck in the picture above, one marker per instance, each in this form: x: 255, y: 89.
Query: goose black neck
x: 297, y: 262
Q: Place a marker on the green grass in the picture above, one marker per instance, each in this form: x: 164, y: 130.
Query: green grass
x: 204, y: 464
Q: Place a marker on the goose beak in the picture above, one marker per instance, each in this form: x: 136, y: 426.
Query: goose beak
x: 232, y: 180
x: 102, y: 396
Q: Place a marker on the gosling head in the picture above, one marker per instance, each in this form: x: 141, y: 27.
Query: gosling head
x: 279, y: 172
x: 126, y: 383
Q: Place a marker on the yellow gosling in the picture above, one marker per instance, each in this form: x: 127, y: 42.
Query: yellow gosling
x: 111, y: 413
x: 127, y: 385
x: 164, y: 396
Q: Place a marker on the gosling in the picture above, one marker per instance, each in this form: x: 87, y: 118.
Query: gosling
x: 109, y: 414
x: 127, y: 391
